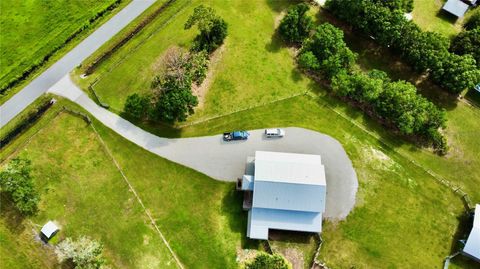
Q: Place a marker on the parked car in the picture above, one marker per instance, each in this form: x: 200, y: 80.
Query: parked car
x: 270, y: 133
x: 477, y: 87
x: 235, y: 135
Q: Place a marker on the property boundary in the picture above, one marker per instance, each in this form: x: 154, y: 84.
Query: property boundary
x: 130, y: 186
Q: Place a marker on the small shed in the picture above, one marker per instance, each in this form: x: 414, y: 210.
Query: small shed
x: 49, y: 230
x: 456, y: 7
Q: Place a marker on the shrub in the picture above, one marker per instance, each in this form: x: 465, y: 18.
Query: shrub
x: 137, y: 106
x: 308, y: 61
x: 16, y: 180
x: 266, y: 261
x: 197, y: 66
x: 85, y: 253
x: 213, y: 29
x: 296, y: 25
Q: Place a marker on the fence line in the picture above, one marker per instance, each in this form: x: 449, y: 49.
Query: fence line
x: 130, y: 186
x: 242, y: 109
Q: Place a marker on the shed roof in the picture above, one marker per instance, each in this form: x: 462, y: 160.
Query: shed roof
x: 456, y: 7
x: 49, y: 229
x: 472, y: 247
x: 289, y: 168
x: 262, y: 219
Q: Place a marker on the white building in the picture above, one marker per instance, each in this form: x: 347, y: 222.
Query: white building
x: 283, y: 191
x: 49, y: 230
x: 472, y: 247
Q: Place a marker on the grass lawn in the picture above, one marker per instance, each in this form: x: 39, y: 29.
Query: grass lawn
x: 428, y: 14
x: 32, y: 29
x: 82, y: 190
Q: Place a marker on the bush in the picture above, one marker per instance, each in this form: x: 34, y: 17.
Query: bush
x: 425, y: 51
x: 330, y: 50
x: 85, y: 253
x: 308, y: 61
x: 296, y: 25
x: 137, y: 106
x: 213, y: 29
x: 266, y: 261
x: 16, y: 180
x: 473, y: 22
x: 197, y: 66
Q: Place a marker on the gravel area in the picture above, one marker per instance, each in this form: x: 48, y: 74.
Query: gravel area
x: 226, y: 160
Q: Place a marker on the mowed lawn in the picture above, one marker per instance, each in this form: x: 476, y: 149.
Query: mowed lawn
x: 32, y: 29
x: 253, y: 67
x: 428, y: 14
x: 81, y: 190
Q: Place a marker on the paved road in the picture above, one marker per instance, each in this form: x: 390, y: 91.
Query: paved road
x: 226, y: 160
x: 47, y: 79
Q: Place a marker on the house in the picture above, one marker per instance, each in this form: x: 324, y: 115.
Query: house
x: 283, y: 191
x: 456, y: 7
x: 49, y: 230
x: 472, y: 246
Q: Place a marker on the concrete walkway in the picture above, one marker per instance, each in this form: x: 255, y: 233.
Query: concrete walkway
x: 226, y: 160
x: 47, y: 79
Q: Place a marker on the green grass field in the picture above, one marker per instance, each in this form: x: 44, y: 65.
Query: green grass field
x: 81, y: 190
x: 429, y: 16
x: 32, y: 29
x: 403, y: 217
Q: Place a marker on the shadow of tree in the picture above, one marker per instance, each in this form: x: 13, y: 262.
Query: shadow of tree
x: 13, y: 219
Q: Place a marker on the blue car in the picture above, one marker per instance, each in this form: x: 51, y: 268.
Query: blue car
x: 235, y: 135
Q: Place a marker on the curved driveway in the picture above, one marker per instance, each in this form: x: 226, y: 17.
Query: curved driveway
x: 226, y: 160
x: 53, y: 74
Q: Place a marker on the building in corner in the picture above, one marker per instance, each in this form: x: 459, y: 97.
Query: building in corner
x: 472, y: 246
x: 456, y: 7
x: 283, y: 191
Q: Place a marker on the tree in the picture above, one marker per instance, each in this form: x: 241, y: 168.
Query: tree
x: 213, y: 29
x: 296, y: 25
x: 266, y: 261
x: 308, y: 61
x: 468, y: 42
x: 402, y: 5
x: 174, y: 99
x: 473, y: 22
x: 331, y: 52
x: 16, y: 180
x: 85, y: 253
x: 137, y: 105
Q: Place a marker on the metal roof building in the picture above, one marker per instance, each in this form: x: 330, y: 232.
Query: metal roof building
x: 456, y: 7
x: 49, y: 230
x: 287, y: 192
x: 472, y: 247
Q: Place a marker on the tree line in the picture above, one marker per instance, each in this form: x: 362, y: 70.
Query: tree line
x: 171, y: 98
x: 395, y: 103
x: 424, y: 51
x: 468, y: 41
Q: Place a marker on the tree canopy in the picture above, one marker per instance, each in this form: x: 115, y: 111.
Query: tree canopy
x: 17, y: 182
x: 213, y: 29
x: 296, y: 25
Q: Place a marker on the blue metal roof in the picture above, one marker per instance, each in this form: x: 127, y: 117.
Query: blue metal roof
x: 456, y: 7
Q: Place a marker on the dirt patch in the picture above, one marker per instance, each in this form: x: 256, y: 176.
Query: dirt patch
x: 295, y: 257
x: 278, y: 19
x: 200, y: 91
x: 246, y: 255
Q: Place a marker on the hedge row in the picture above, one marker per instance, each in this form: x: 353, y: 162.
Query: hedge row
x: 90, y: 68
x: 26, y: 122
x: 424, y: 51
x: 32, y: 68
x: 394, y: 104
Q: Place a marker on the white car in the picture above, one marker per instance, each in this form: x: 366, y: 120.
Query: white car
x: 270, y: 133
